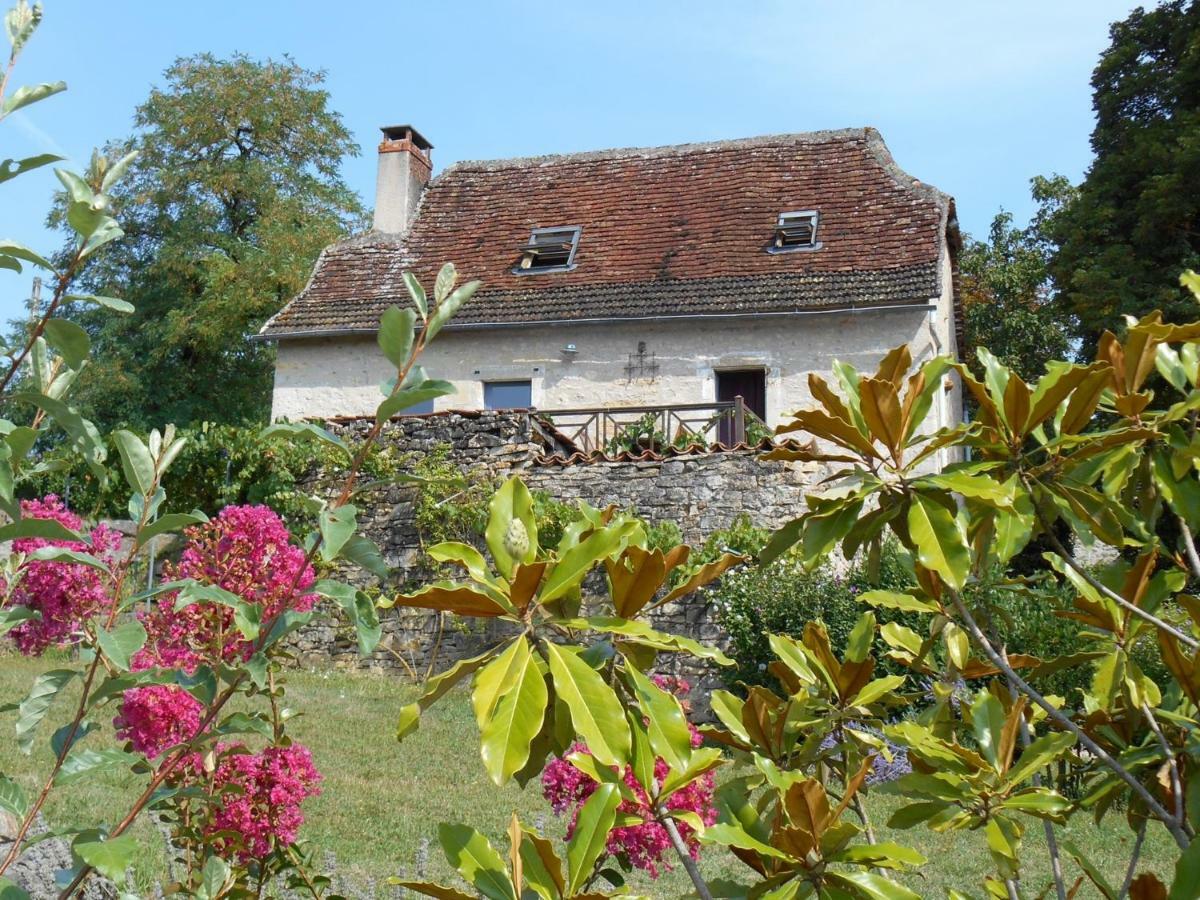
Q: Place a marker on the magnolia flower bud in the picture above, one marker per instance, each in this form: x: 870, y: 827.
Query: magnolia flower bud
x: 516, y: 539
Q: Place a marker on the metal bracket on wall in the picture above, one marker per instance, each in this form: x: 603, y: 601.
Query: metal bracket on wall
x: 641, y: 364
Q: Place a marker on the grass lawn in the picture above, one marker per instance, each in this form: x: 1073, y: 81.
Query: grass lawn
x: 382, y: 799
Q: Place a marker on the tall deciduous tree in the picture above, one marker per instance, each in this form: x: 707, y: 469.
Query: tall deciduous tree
x: 1135, y: 224
x: 235, y: 190
x: 1006, y: 290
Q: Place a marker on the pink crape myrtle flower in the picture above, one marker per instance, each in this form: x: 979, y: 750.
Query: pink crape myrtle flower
x: 647, y: 845
x: 65, y: 594
x: 247, y: 551
x: 156, y: 717
x: 258, y: 797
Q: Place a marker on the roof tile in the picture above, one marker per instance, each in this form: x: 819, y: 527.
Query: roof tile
x: 666, y: 232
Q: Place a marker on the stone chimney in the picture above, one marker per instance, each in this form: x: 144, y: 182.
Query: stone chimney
x: 405, y: 165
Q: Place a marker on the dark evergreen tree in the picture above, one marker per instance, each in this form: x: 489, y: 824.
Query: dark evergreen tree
x: 1123, y: 242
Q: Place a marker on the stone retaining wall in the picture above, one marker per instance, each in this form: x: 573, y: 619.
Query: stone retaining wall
x: 701, y: 493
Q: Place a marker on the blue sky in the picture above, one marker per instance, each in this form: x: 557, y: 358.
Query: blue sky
x: 975, y: 98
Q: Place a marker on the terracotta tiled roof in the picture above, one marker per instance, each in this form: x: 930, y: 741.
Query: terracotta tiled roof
x: 665, y: 232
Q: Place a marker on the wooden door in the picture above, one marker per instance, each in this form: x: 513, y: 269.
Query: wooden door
x: 751, y: 386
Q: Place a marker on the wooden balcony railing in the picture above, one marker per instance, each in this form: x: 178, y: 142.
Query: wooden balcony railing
x: 636, y: 428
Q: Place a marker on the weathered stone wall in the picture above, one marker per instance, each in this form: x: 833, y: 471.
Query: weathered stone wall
x: 701, y: 493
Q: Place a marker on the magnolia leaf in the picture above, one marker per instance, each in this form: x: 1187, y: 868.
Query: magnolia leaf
x: 429, y: 889
x: 511, y: 532
x: 1039, y: 754
x: 939, y: 539
x: 634, y: 578
x: 517, y: 718
x: 543, y: 869
x: 446, y: 596
x: 705, y: 575
x: 595, y: 820
x: 730, y: 835
x: 896, y: 600
x: 496, y: 679
x: 435, y: 689
x: 476, y: 860
x: 575, y: 563
x: 595, y: 710
x: 666, y: 724
x: 858, y: 644
x: 1186, y: 883
x: 987, y: 724
x: 867, y: 884
x: 468, y: 557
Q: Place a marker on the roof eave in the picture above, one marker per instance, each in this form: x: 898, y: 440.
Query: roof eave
x: 850, y: 309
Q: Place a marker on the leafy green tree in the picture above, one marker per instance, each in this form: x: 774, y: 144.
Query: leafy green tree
x: 1005, y: 287
x: 1133, y: 227
x: 234, y: 191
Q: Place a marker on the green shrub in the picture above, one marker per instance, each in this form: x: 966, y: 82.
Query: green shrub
x: 219, y: 465
x: 781, y: 598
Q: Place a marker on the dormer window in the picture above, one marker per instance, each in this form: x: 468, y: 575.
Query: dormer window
x: 796, y: 231
x: 549, y: 250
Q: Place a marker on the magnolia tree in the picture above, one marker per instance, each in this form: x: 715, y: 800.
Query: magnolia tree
x: 166, y: 666
x: 190, y: 676
x: 1090, y: 455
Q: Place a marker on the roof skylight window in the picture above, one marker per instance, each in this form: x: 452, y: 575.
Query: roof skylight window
x: 549, y: 250
x: 796, y: 231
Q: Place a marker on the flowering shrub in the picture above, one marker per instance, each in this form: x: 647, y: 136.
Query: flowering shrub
x: 247, y: 551
x: 646, y: 845
x: 156, y: 717
x: 259, y: 797
x: 65, y: 595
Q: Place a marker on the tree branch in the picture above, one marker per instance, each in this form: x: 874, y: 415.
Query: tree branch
x: 689, y: 864
x: 1056, y: 715
x: 1066, y: 557
x: 1172, y: 766
x: 1133, y: 861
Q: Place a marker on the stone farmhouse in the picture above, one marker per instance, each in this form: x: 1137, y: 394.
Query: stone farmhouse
x: 708, y: 279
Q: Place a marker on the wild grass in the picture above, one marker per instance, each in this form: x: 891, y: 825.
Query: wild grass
x: 382, y: 799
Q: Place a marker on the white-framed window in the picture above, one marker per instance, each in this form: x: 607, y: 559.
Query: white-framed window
x: 549, y: 250
x: 796, y: 231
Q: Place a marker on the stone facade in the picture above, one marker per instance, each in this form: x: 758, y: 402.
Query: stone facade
x: 701, y: 492
x: 334, y: 376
